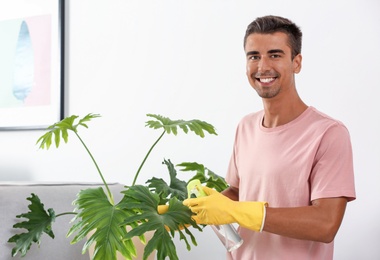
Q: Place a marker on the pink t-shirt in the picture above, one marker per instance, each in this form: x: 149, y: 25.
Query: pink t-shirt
x: 289, y: 166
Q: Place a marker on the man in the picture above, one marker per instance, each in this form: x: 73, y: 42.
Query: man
x: 291, y: 170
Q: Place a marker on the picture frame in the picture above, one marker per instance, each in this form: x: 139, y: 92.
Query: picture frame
x: 32, y: 64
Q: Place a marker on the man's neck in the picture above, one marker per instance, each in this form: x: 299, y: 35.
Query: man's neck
x: 279, y: 113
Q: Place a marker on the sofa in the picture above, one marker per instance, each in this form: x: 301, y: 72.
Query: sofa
x: 58, y: 196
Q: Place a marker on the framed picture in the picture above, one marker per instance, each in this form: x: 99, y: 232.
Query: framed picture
x: 31, y: 64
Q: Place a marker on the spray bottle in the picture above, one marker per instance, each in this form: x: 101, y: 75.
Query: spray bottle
x: 226, y: 233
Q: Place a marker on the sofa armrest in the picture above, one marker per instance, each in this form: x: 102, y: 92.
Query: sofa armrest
x: 58, y: 196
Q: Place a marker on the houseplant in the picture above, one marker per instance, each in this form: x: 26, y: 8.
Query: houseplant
x: 97, y: 213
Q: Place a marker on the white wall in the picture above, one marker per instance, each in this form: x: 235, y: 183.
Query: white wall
x: 184, y: 59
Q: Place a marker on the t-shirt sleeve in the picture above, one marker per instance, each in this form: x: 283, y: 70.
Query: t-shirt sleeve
x: 332, y: 173
x: 232, y: 177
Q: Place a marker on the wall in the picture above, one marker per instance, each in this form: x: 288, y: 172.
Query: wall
x: 184, y: 59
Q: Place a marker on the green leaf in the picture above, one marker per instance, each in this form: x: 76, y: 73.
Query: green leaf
x: 176, y: 188
x: 97, y: 214
x: 145, y: 203
x: 39, y: 222
x: 61, y: 129
x: 170, y: 126
x: 204, y: 175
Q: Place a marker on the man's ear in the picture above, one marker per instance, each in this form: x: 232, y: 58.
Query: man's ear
x: 297, y: 63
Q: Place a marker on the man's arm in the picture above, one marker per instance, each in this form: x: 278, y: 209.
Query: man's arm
x: 318, y: 222
x: 232, y: 193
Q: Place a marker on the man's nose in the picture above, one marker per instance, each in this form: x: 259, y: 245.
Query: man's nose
x: 264, y: 64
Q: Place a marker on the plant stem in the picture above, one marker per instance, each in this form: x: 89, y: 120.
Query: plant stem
x: 66, y: 213
x: 146, y: 157
x: 97, y: 167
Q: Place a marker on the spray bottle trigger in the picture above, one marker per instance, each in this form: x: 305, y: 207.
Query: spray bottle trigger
x: 194, y: 189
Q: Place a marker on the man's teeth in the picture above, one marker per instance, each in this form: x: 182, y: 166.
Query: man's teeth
x: 267, y: 80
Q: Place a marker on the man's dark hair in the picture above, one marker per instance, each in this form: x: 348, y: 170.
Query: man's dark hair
x: 272, y: 24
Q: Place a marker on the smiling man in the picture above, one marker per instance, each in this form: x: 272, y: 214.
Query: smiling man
x: 291, y: 169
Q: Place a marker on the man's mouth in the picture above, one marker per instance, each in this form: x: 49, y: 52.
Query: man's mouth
x: 266, y: 80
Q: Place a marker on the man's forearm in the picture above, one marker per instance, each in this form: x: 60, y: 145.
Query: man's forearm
x: 318, y: 222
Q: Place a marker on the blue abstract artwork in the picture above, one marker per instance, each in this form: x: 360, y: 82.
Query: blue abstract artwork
x: 23, y: 70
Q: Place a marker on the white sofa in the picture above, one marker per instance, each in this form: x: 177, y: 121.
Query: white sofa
x: 58, y: 196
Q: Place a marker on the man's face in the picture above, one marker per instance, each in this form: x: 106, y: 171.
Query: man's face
x: 270, y: 68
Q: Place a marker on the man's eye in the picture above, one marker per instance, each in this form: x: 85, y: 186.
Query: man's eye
x: 254, y: 57
x: 275, y: 56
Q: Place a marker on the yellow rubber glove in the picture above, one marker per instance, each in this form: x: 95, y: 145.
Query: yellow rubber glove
x: 217, y: 209
x: 162, y: 209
